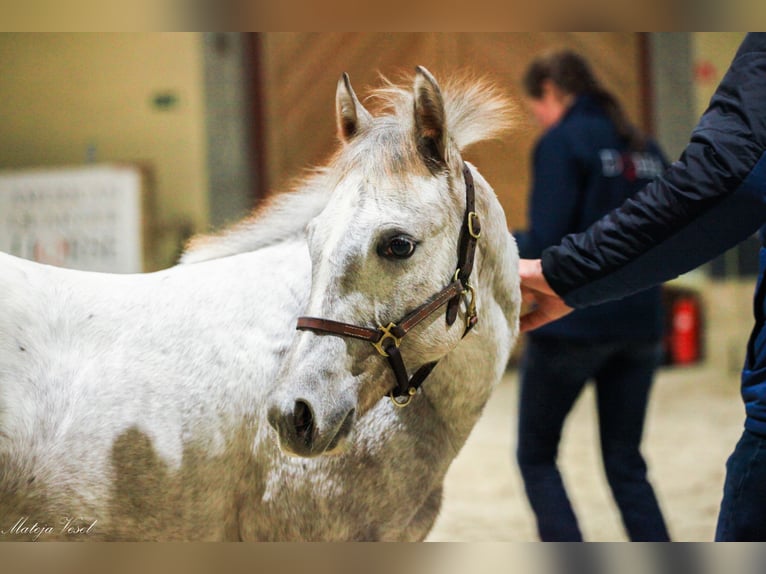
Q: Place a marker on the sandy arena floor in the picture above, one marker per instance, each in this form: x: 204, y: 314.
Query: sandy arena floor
x: 694, y: 420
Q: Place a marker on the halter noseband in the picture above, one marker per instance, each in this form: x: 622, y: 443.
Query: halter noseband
x: 386, y: 340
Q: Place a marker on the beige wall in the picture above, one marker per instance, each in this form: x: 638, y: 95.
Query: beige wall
x: 718, y: 49
x: 62, y: 93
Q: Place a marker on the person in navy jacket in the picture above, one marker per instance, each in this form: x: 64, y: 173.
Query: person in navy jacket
x: 712, y: 198
x: 588, y: 161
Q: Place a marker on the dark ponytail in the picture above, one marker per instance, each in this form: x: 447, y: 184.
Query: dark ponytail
x: 572, y: 74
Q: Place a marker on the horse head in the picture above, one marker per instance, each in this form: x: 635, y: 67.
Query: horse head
x: 385, y: 247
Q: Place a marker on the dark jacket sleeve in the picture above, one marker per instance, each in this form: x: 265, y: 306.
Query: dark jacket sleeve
x: 712, y: 198
x: 554, y: 196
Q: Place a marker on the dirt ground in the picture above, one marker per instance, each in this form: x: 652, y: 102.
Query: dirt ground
x: 694, y: 420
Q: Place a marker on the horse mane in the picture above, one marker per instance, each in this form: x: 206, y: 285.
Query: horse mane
x: 279, y: 218
x: 475, y: 110
x: 475, y: 107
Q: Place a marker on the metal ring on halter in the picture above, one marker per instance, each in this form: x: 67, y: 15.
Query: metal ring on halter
x: 470, y: 296
x: 401, y: 404
x: 468, y: 291
x: 387, y: 334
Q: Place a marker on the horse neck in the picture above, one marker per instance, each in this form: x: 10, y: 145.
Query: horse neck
x: 498, y: 258
x: 461, y: 386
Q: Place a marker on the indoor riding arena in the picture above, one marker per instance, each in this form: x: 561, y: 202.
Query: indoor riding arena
x: 174, y: 205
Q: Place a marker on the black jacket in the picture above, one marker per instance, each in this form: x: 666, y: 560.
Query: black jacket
x: 712, y: 198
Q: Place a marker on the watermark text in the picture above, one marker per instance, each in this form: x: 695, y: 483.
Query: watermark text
x: 27, y: 527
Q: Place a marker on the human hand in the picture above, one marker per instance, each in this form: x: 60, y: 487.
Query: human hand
x: 535, y: 291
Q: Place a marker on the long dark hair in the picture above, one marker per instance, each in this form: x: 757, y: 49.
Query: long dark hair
x: 573, y: 75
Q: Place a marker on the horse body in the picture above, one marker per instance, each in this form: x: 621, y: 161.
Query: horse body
x: 121, y: 402
x: 136, y: 407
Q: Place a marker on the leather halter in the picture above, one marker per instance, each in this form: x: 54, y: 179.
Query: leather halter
x: 386, y: 340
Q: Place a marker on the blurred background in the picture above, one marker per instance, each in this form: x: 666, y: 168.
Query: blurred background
x: 220, y: 120
x: 117, y: 147
x: 213, y: 123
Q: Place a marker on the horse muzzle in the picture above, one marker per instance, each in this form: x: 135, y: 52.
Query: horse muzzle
x: 310, y: 428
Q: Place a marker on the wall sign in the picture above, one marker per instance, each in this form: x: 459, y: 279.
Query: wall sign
x: 85, y: 218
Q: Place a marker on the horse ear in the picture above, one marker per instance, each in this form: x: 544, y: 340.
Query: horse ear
x: 430, y: 119
x: 350, y: 114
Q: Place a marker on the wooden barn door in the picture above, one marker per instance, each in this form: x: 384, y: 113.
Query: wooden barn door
x: 298, y: 72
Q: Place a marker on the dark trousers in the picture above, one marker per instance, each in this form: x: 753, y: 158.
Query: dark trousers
x: 743, y: 509
x: 553, y: 373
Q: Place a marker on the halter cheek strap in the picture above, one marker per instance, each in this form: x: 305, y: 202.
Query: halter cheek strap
x: 387, y: 340
x: 469, y: 235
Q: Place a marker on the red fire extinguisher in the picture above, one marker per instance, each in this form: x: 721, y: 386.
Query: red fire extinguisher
x: 685, y: 331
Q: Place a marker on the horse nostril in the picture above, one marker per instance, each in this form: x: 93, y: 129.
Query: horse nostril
x: 303, y: 421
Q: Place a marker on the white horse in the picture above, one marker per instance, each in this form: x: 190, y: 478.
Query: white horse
x: 136, y: 406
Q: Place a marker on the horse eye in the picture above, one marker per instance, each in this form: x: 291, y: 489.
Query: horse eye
x: 399, y: 247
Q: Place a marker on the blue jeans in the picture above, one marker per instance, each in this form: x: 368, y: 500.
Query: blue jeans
x: 742, y: 517
x: 553, y: 373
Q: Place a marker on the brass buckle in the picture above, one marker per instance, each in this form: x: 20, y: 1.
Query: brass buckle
x: 471, y: 231
x: 468, y: 291
x: 401, y: 404
x: 470, y: 304
x: 387, y: 334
